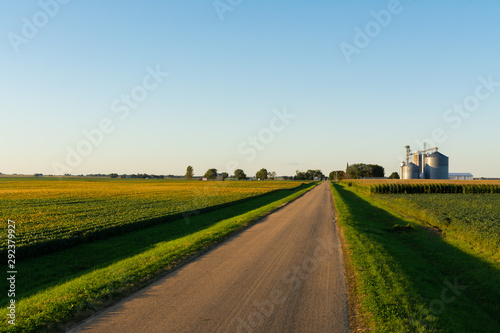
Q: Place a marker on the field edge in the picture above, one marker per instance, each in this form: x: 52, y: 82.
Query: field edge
x: 384, y: 294
x: 46, y: 315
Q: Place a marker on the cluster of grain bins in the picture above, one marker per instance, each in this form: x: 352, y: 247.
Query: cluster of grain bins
x: 426, y: 164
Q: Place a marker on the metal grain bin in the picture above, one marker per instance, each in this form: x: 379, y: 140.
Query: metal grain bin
x: 412, y: 171
x: 436, y: 166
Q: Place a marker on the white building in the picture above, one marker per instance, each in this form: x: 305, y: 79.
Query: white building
x: 461, y: 176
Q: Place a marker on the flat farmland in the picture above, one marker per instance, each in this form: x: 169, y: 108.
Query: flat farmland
x: 410, y: 186
x: 466, y: 210
x: 368, y: 182
x: 52, y: 213
x: 473, y: 219
x: 135, y: 231
x: 406, y: 245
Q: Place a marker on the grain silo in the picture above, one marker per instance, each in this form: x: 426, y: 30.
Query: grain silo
x: 412, y: 171
x: 418, y: 159
x: 429, y: 164
x: 436, y: 166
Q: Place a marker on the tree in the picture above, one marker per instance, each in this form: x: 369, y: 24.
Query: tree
x: 299, y: 175
x: 211, y: 174
x: 189, y: 172
x: 225, y: 175
x: 394, y: 175
x: 356, y: 171
x: 114, y: 175
x: 376, y: 170
x: 240, y: 174
x: 261, y: 174
x: 271, y: 175
x: 318, y: 174
x: 337, y: 175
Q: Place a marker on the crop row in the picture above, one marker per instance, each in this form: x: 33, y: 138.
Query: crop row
x: 54, y: 214
x: 385, y: 186
x: 432, y: 188
x: 475, y: 217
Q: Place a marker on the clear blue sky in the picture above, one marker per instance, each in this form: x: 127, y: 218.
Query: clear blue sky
x: 355, y: 97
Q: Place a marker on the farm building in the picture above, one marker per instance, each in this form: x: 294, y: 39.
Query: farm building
x: 427, y: 164
x: 461, y: 176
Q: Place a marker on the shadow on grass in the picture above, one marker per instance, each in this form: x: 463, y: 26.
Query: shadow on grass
x: 37, y: 274
x: 47, y: 246
x: 460, y: 292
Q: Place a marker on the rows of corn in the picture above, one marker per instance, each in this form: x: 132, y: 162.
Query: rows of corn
x: 424, y: 186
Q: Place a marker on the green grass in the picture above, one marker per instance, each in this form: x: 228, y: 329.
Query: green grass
x: 52, y: 214
x: 470, y: 221
x: 403, y: 274
x: 74, y: 283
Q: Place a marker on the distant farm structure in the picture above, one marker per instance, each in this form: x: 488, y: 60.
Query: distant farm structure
x: 461, y: 176
x: 426, y: 164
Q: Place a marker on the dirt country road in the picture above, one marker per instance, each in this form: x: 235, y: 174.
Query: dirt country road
x: 284, y: 274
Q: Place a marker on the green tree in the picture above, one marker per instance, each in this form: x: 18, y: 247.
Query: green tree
x: 225, y: 175
x: 394, y: 175
x: 375, y: 170
x: 114, y: 175
x: 261, y: 174
x: 240, y: 174
x: 189, y: 172
x: 299, y: 175
x: 337, y: 175
x: 211, y: 174
x: 318, y: 174
x: 356, y: 171
x: 309, y: 175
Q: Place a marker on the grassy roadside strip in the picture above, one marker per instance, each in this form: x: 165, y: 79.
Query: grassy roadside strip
x: 374, y: 274
x: 356, y: 321
x: 42, y: 247
x: 55, y: 308
x: 410, y: 280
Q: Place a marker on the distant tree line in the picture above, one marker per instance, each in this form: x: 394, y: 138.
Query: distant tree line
x: 139, y: 175
x: 309, y: 175
x: 360, y: 170
x: 239, y: 174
